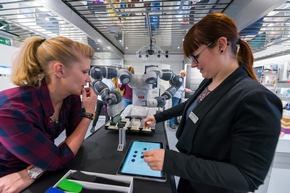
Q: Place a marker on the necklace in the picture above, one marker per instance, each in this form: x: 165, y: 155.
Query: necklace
x: 203, y: 94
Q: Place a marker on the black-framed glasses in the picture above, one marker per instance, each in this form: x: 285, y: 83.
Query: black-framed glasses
x: 194, y: 57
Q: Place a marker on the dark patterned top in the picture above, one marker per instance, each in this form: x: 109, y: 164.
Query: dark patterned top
x: 27, y: 133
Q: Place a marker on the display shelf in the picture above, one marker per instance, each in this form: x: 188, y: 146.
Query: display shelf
x: 270, y: 73
x: 283, y: 84
x: 269, y: 79
x: 281, y: 90
x: 283, y: 145
x: 283, y: 97
x: 284, y: 139
x: 271, y: 88
x: 286, y: 113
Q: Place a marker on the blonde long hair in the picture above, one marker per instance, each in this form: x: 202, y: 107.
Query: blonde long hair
x: 130, y: 69
x: 31, y: 64
x: 115, y: 82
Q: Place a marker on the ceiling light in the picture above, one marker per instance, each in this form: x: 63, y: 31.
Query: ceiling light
x: 159, y: 52
x: 149, y: 50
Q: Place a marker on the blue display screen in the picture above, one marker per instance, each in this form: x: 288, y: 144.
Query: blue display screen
x: 134, y: 163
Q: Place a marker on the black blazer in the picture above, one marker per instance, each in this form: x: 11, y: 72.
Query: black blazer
x: 229, y: 142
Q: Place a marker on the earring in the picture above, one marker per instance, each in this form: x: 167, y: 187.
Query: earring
x: 222, y: 51
x: 57, y: 75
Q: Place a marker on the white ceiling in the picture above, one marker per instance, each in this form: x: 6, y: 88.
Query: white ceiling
x: 116, y: 29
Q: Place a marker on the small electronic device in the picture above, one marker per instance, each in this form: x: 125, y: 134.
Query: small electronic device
x: 134, y: 165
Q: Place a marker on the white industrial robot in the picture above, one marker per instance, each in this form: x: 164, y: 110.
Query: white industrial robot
x: 141, y: 85
x: 131, y: 118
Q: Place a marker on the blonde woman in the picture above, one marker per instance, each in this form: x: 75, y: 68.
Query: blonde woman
x: 51, y: 75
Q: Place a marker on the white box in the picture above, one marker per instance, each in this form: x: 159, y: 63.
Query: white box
x: 99, y: 186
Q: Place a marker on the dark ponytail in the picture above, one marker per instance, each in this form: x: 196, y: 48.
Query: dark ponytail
x: 246, y: 58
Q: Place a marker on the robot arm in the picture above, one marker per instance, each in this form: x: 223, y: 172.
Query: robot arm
x: 112, y: 98
x: 100, y: 72
x: 175, y: 81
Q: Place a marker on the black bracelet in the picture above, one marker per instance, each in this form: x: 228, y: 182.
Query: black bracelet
x: 88, y: 115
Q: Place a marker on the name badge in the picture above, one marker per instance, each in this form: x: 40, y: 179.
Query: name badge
x: 193, y: 117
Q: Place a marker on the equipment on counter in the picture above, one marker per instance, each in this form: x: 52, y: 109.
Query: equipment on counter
x: 131, y: 118
x: 138, y: 83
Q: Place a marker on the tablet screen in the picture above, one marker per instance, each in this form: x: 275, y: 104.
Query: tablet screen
x: 134, y: 165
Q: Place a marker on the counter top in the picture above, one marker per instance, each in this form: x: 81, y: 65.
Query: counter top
x: 98, y: 153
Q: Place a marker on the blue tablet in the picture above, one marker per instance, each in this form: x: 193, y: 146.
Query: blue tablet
x: 134, y: 165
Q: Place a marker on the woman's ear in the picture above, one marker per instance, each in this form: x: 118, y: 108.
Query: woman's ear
x: 58, y: 69
x: 222, y: 44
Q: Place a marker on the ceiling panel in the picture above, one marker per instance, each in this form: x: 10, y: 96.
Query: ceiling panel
x: 139, y: 26
x: 272, y: 33
x: 116, y: 28
x: 22, y: 19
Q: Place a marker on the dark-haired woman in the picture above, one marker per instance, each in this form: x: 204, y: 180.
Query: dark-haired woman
x: 230, y: 126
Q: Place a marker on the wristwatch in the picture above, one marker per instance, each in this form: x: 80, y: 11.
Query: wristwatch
x: 88, y: 115
x: 34, y: 172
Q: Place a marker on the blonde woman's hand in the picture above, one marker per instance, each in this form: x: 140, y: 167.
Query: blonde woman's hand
x: 89, y: 99
x: 15, y: 182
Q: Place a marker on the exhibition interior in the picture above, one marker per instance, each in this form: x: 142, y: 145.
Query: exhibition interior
x: 148, y: 33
